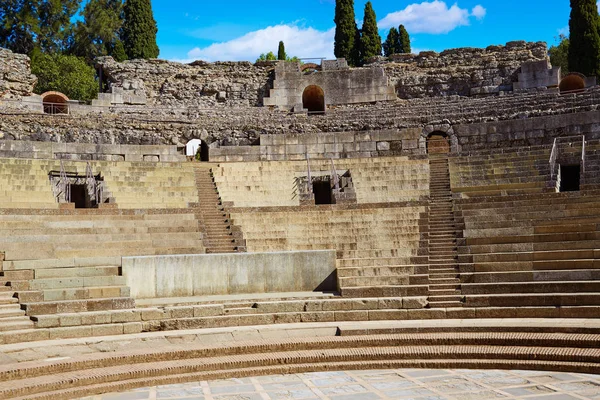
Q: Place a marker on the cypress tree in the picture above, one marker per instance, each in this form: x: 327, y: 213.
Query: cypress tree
x: 584, y: 46
x: 370, y: 41
x: 139, y: 30
x: 391, y: 42
x: 281, y: 52
x: 346, y: 32
x: 403, y: 40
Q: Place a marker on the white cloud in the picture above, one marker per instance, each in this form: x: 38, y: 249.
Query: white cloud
x: 479, y: 12
x: 299, y: 41
x: 432, y: 17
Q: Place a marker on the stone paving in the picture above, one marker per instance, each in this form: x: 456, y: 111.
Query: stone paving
x: 421, y: 384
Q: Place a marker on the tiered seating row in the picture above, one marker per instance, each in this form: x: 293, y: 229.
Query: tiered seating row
x: 378, y: 180
x: 26, y: 183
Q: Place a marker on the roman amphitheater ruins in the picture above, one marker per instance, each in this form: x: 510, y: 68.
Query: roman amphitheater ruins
x: 229, y: 220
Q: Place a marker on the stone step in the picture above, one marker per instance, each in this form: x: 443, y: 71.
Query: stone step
x: 76, y: 306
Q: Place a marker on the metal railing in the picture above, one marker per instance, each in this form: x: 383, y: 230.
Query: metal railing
x: 583, y: 156
x: 56, y: 108
x: 553, y: 157
x: 556, y: 151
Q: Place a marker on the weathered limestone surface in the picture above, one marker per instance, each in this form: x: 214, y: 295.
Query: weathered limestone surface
x: 16, y: 79
x: 200, y: 84
x: 463, y: 71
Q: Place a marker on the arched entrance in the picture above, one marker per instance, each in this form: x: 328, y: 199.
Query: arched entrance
x: 55, y: 103
x: 572, y: 82
x: 438, y: 143
x: 313, y: 99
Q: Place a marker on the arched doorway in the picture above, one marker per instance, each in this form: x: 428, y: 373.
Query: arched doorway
x: 572, y: 82
x: 55, y: 103
x: 313, y: 99
x: 438, y: 143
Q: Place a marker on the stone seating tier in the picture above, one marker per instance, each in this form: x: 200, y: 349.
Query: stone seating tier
x: 506, y: 344
x: 377, y: 180
x: 26, y: 184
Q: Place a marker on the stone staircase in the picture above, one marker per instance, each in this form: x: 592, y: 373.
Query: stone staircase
x: 12, y: 318
x: 221, y: 236
x: 444, y: 274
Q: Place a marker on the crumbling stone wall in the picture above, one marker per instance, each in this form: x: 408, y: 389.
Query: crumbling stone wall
x: 463, y: 71
x: 200, y: 84
x: 16, y: 79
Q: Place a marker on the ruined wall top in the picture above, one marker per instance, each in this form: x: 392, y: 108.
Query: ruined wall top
x: 462, y: 71
x: 16, y: 79
x: 199, y: 84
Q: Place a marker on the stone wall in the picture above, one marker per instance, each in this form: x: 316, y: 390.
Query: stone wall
x: 84, y: 151
x: 463, y: 71
x: 340, y: 86
x: 245, y: 273
x: 200, y: 84
x: 16, y: 79
x: 243, y: 127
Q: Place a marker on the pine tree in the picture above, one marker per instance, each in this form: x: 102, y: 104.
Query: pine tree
x: 370, y: 41
x: 43, y: 24
x: 98, y: 33
x: 346, y: 32
x: 281, y: 52
x: 139, y: 30
x: 391, y: 42
x: 118, y: 51
x: 403, y: 40
x: 584, y: 41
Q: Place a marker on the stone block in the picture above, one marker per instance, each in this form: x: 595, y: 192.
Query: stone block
x: 287, y: 318
x: 126, y: 316
x: 414, y: 302
x: 132, y: 327
x: 179, y: 312
x: 325, y: 316
x: 351, y: 316
x: 385, y: 315
x: 70, y: 320
x: 280, y: 306
x: 107, y: 330
x: 96, y: 318
x: 390, y: 304
x: 153, y: 314
x: 209, y: 310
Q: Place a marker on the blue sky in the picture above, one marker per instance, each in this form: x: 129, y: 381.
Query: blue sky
x: 242, y: 29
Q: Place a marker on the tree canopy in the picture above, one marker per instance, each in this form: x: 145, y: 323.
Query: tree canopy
x: 98, y: 34
x: 281, y: 51
x: 64, y: 73
x: 43, y: 24
x: 139, y: 30
x: 559, y: 54
x: 370, y: 41
x: 403, y: 40
x: 347, y: 36
x: 584, y: 40
x: 390, y: 46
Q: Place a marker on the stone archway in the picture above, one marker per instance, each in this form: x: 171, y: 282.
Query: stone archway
x: 444, y: 130
x: 438, y: 143
x: 572, y: 82
x: 313, y: 99
x: 55, y: 103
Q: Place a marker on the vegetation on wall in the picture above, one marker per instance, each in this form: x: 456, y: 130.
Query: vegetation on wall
x: 67, y: 74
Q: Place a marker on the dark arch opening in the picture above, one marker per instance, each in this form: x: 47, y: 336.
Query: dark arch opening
x: 204, y: 152
x: 313, y: 99
x: 55, y: 103
x: 572, y: 82
x: 438, y: 143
